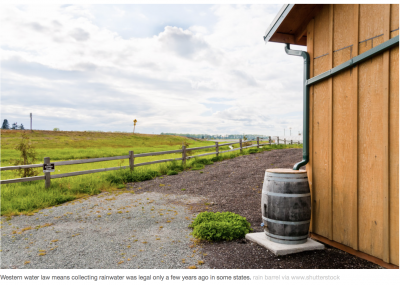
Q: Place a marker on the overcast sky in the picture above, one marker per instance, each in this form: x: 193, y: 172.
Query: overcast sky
x: 174, y: 68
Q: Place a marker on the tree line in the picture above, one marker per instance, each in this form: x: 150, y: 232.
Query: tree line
x: 207, y: 136
x: 14, y: 126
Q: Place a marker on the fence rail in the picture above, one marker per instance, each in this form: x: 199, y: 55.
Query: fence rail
x: 47, y: 177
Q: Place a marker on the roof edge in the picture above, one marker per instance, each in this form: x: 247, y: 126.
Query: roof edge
x: 286, y: 8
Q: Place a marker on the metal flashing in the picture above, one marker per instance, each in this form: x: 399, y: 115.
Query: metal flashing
x: 355, y: 60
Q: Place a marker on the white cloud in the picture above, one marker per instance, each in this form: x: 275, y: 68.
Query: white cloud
x: 206, y: 78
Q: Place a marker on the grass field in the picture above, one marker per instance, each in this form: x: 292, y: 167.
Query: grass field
x: 24, y: 198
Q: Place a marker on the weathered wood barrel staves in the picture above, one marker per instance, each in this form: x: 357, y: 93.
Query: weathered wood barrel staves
x: 286, y: 206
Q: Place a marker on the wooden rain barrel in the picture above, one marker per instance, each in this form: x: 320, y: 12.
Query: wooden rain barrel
x: 286, y: 206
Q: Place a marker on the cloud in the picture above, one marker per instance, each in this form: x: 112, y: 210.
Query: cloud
x: 80, y: 34
x: 207, y: 71
x: 183, y: 43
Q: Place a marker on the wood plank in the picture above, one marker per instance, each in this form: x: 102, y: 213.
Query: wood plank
x: 204, y: 154
x: 19, y: 180
x: 76, y: 173
x: 394, y: 154
x: 371, y: 20
x: 343, y: 15
x: 200, y: 147
x: 343, y: 129
x: 302, y: 28
x: 321, y: 36
x: 21, y: 167
x: 370, y: 160
x: 253, y: 145
x: 158, y: 153
x: 371, y: 25
x: 394, y: 17
x: 283, y: 38
x: 230, y: 150
x: 229, y: 143
x: 385, y: 137
x: 320, y: 128
x: 354, y: 119
x: 354, y: 252
x: 330, y: 124
x: 158, y: 161
x: 394, y: 20
x: 90, y: 160
x: 47, y: 178
x: 310, y: 50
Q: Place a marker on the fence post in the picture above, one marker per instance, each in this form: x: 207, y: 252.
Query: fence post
x: 277, y: 139
x: 269, y: 140
x: 184, y: 156
x: 241, y: 147
x: 131, y: 160
x: 284, y: 141
x: 47, y: 174
x: 217, y: 149
x: 258, y: 142
x: 291, y: 141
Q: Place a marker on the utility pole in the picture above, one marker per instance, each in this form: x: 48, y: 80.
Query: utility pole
x: 31, y: 121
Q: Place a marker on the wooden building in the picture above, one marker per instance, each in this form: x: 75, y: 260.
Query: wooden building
x: 353, y: 166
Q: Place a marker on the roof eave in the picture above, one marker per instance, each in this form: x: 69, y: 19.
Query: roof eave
x: 277, y: 21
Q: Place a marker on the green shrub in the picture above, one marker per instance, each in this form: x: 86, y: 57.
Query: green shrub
x: 253, y: 150
x: 124, y: 176
x: 220, y: 226
x: 217, y: 158
x: 172, y: 172
x: 204, y: 161
x: 197, y: 166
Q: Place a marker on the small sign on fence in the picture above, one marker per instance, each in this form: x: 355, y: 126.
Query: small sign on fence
x: 48, y: 167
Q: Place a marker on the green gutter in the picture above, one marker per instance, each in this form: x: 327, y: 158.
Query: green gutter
x: 355, y: 60
x: 306, y: 105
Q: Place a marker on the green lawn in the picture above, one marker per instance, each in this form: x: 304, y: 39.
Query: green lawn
x: 27, y: 197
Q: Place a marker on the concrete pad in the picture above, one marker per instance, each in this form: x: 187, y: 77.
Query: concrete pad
x: 283, y: 249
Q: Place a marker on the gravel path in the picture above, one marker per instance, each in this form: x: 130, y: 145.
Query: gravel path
x: 130, y: 235
x: 235, y: 185
x: 119, y: 230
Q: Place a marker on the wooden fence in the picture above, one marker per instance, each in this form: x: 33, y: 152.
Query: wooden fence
x: 131, y: 156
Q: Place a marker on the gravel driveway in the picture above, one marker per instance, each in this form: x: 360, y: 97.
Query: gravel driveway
x: 121, y: 230
x: 118, y: 230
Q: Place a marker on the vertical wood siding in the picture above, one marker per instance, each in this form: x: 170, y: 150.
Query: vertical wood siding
x: 354, y: 129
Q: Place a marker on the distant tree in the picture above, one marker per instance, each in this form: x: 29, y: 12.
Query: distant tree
x: 56, y: 129
x: 21, y: 127
x: 14, y: 126
x: 5, y: 125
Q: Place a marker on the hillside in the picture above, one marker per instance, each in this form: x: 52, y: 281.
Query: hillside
x: 60, y: 145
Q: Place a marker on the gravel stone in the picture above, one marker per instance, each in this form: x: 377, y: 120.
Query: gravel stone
x: 73, y: 236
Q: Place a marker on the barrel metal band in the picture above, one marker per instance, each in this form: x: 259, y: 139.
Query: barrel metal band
x: 294, y: 176
x: 288, y: 195
x: 286, y: 180
x: 286, y: 222
x: 286, y: 241
x: 286, y: 237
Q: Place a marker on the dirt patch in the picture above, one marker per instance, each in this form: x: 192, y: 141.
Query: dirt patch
x: 235, y: 185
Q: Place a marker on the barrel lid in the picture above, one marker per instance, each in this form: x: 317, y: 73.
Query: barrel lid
x: 286, y: 171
